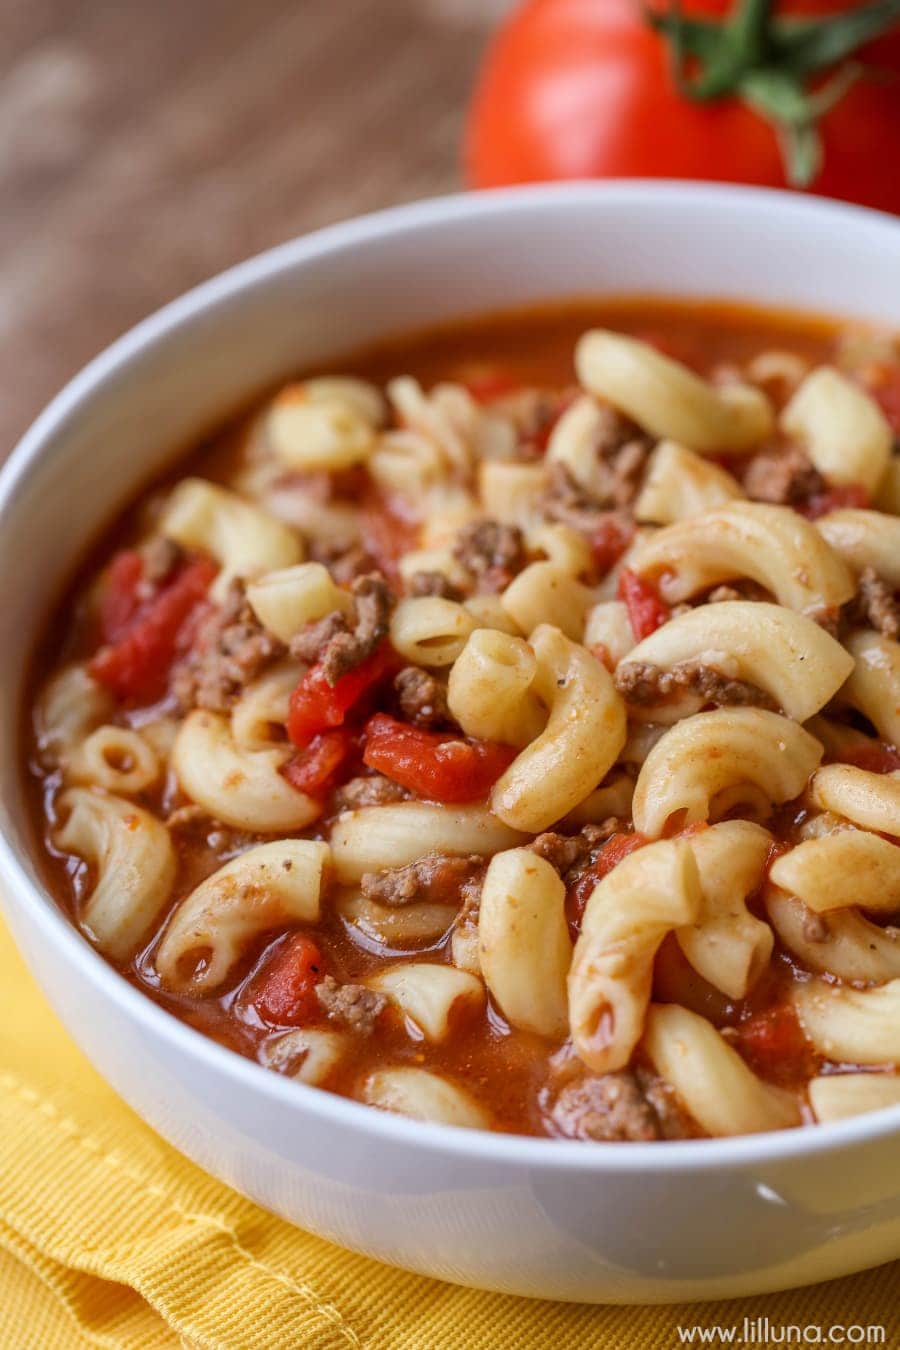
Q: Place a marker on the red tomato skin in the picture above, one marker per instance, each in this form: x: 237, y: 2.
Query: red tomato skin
x: 441, y: 767
x: 616, y: 848
x: 285, y: 990
x: 835, y: 499
x: 120, y: 594
x: 316, y: 705
x: 646, y: 612
x: 774, y: 1044
x: 608, y: 542
x: 885, y: 389
x: 874, y: 758
x: 584, y: 89
x: 315, y: 768
x: 136, y: 667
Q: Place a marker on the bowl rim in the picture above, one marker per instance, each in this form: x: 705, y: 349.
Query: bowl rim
x: 36, y: 903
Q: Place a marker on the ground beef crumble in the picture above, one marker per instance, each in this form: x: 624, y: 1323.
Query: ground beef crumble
x: 438, y: 878
x: 231, y: 649
x: 352, y: 1005
x: 422, y: 697
x: 640, y: 682
x: 574, y: 855
x: 344, y: 564
x: 629, y: 1105
x: 785, y: 477
x: 492, y: 552
x: 340, y: 644
x: 565, y: 502
x: 433, y: 583
x: 875, y: 604
x: 567, y: 851
x: 367, y: 790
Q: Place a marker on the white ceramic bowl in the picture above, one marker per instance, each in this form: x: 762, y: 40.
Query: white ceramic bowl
x: 599, y: 1222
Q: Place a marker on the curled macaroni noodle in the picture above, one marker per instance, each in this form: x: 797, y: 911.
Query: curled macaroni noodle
x: 870, y: 800
x: 272, y: 884
x: 667, y: 399
x: 627, y: 916
x: 718, y: 1088
x: 489, y: 691
x: 546, y: 593
x: 379, y: 837
x: 873, y: 686
x: 679, y: 484
x: 771, y: 545
x: 738, y: 751
x: 308, y: 1054
x: 851, y: 1026
x: 788, y: 656
x: 135, y: 865
x: 840, y: 943
x: 837, y: 1096
x: 848, y: 867
x: 845, y: 432
x: 430, y: 631
x: 243, y: 539
x: 727, y: 945
x: 430, y: 995
x: 524, y: 946
x: 243, y: 788
x: 865, y: 539
x: 114, y: 758
x: 287, y: 599
x: 71, y: 705
x: 424, y: 1096
x: 584, y: 734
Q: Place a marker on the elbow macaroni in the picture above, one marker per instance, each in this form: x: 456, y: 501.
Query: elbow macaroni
x: 243, y: 539
x: 524, y: 946
x: 627, y: 916
x: 746, y: 753
x: 585, y: 732
x: 268, y: 885
x: 667, y: 399
x: 135, y: 864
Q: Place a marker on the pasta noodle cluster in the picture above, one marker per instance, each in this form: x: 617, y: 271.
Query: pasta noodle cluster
x: 510, y: 753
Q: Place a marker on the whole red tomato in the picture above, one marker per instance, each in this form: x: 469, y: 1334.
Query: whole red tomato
x: 588, y: 89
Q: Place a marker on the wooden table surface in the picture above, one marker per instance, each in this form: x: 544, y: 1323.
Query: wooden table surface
x: 146, y: 144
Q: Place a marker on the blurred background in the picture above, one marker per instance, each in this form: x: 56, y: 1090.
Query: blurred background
x: 146, y: 144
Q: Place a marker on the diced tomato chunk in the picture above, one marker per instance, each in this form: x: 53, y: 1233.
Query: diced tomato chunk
x: 136, y: 666
x: 315, y: 768
x: 284, y: 993
x: 386, y: 534
x: 442, y: 767
x: 120, y: 597
x: 884, y: 386
x: 835, y: 499
x: 616, y: 848
x: 316, y: 705
x: 773, y: 1043
x: 609, y: 541
x: 876, y: 758
x: 490, y: 383
x: 646, y: 611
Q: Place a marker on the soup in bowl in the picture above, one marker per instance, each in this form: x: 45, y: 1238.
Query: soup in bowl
x: 488, y: 731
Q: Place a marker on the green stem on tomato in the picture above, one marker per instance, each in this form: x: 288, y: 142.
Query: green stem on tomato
x: 766, y: 61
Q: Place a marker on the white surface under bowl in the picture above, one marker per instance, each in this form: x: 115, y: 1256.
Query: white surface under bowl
x: 599, y: 1222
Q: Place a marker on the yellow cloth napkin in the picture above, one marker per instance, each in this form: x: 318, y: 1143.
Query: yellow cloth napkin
x: 108, y: 1237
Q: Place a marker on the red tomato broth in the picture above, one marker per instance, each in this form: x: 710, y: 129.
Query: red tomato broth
x: 505, y: 1067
